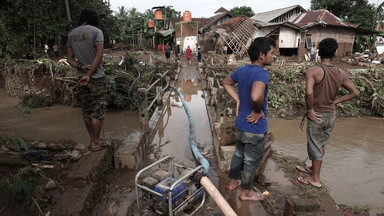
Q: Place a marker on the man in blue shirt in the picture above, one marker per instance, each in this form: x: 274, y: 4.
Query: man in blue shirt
x: 251, y: 111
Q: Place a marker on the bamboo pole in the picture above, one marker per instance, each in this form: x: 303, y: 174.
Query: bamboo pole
x: 216, y: 195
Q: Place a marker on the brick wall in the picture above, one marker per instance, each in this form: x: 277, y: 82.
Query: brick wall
x: 344, y: 36
x: 185, y: 29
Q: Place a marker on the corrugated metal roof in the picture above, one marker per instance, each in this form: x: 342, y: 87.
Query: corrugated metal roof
x: 270, y: 15
x: 166, y: 33
x: 319, y: 17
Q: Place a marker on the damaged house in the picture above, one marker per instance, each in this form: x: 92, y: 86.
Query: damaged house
x: 235, y: 35
x: 320, y: 24
x: 295, y: 30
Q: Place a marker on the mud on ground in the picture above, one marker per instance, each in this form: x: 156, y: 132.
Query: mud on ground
x: 32, y: 181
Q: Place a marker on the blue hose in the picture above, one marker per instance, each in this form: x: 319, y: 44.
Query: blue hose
x: 192, y: 135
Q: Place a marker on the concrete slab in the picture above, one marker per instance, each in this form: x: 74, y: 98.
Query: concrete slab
x: 306, y: 205
x: 86, y: 175
x: 84, y: 171
x: 130, y: 152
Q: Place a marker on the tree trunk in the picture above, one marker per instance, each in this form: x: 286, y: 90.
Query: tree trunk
x: 68, y: 11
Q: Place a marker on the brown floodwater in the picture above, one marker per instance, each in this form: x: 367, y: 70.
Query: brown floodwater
x: 59, y: 122
x: 353, y: 162
x: 352, y: 168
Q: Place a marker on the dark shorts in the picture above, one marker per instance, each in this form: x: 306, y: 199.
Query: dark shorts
x: 93, y: 99
x: 318, y: 135
x: 167, y: 55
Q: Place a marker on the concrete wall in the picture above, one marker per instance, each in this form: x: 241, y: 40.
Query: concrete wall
x: 344, y: 36
x: 288, y: 38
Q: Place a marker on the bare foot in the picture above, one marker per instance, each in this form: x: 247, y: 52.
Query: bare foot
x: 305, y: 169
x: 310, y: 181
x: 233, y: 184
x: 251, y: 196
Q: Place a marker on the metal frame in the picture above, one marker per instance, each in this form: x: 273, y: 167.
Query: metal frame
x: 145, y: 105
x: 182, y: 205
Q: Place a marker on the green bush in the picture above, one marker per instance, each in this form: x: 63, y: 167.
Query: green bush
x: 18, y: 189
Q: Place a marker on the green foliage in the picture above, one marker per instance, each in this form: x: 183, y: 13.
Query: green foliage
x: 17, y: 189
x: 34, y: 100
x: 242, y: 11
x: 114, y: 99
x: 44, y: 21
x: 130, y: 21
x: 14, y: 140
x: 359, y: 12
x: 273, y: 99
x: 291, y: 74
x: 131, y: 60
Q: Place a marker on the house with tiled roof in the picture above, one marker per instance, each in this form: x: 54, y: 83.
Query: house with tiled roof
x: 295, y: 30
x: 320, y: 24
x: 221, y: 11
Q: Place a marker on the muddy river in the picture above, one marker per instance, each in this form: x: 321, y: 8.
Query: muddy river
x: 353, y: 164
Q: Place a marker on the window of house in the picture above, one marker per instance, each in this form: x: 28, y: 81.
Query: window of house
x: 308, y: 41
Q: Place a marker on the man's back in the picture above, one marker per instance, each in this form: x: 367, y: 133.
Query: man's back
x: 83, y: 40
x: 327, y: 81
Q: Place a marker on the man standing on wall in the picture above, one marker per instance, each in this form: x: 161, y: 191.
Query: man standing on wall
x: 322, y: 85
x: 86, y: 43
x: 252, y: 118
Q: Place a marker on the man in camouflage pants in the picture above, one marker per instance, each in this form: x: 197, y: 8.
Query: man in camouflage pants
x: 86, y: 42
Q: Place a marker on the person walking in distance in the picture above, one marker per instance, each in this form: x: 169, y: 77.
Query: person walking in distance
x: 251, y: 115
x: 313, y: 52
x: 167, y: 50
x: 198, y: 55
x: 86, y: 43
x: 177, y: 50
x: 322, y: 86
x: 188, y: 52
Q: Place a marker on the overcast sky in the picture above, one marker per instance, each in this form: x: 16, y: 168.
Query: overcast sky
x: 206, y: 8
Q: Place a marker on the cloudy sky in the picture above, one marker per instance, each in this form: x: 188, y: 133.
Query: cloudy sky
x: 206, y: 8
